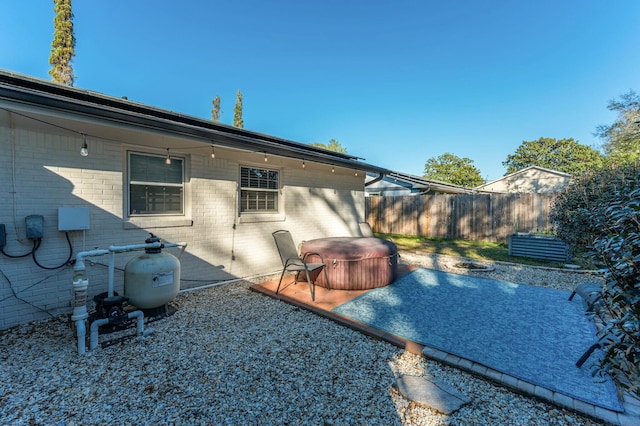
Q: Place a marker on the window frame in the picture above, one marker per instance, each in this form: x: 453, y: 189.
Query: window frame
x: 129, y: 182
x: 257, y: 214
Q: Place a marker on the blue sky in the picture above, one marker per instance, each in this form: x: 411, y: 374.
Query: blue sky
x: 395, y: 82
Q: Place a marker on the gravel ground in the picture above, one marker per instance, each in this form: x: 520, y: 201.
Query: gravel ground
x: 230, y: 356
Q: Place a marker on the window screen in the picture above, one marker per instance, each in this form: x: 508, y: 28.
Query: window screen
x: 154, y: 186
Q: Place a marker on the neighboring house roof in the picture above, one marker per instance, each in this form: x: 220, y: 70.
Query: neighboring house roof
x: 31, y: 92
x: 529, y: 179
x: 395, y: 181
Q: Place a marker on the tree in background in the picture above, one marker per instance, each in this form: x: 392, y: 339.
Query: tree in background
x: 215, y: 111
x: 622, y: 138
x: 453, y: 169
x: 63, y: 44
x: 564, y: 155
x: 237, y: 112
x: 333, y: 145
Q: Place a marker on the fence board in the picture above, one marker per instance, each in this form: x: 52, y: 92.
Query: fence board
x: 491, y: 217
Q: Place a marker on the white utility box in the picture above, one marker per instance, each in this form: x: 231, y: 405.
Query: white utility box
x: 73, y: 218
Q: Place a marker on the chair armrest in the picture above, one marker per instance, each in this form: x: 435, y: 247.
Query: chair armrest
x: 293, y: 259
x: 304, y: 259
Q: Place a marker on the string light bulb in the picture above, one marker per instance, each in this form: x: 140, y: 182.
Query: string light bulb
x: 356, y: 173
x: 167, y: 160
x: 265, y: 157
x: 84, y: 151
x: 303, y: 164
x: 333, y: 169
x: 213, y: 152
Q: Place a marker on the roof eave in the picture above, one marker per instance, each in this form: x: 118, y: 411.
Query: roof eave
x: 36, y: 92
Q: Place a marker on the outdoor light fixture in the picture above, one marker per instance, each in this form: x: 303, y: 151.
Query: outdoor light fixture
x: 333, y: 169
x: 84, y: 151
x: 265, y: 157
x: 303, y: 164
x: 356, y: 172
x: 213, y: 152
x: 167, y: 160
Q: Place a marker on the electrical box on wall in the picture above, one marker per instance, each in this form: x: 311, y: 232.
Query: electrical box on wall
x: 73, y: 218
x: 34, y: 226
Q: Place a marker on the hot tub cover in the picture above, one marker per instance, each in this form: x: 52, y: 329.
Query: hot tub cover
x: 354, y: 263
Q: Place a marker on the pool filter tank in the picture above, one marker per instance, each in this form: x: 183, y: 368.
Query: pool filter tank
x: 153, y: 278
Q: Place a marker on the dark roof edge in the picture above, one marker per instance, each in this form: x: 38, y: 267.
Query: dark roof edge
x: 40, y: 92
x: 431, y: 183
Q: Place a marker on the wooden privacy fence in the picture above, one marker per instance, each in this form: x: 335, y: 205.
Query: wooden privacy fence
x: 491, y: 217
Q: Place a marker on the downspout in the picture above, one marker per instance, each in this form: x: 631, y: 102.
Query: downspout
x: 426, y: 190
x: 372, y: 181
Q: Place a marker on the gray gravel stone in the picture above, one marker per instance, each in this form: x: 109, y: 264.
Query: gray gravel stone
x: 230, y: 356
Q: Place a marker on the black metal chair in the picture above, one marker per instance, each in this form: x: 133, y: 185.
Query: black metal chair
x: 365, y: 229
x: 292, y: 261
x: 592, y: 295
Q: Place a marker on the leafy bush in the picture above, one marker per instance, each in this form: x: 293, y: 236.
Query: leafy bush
x: 588, y: 195
x: 619, y: 250
x: 601, y: 212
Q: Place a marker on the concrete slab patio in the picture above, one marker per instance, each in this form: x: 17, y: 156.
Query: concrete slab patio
x: 326, y: 300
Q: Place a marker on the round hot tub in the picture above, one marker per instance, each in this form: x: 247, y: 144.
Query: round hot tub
x: 354, y: 263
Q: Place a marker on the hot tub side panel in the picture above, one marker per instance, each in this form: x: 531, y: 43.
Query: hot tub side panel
x: 360, y: 274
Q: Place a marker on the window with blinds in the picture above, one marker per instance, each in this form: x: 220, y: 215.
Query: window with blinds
x: 259, y: 190
x: 155, y: 188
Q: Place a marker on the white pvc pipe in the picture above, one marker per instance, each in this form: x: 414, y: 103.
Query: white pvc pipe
x: 139, y: 315
x: 81, y: 331
x: 112, y: 267
x: 81, y: 283
x: 94, y: 331
x: 79, y: 266
x: 132, y: 247
x: 144, y: 246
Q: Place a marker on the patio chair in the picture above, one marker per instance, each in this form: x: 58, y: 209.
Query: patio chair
x: 590, y: 293
x: 592, y: 296
x: 367, y: 232
x: 292, y: 261
x: 365, y: 229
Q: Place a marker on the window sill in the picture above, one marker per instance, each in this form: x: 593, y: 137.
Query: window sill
x: 156, y: 222
x: 261, y: 217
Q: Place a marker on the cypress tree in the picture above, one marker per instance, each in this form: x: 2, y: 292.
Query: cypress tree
x: 63, y: 44
x: 237, y: 112
x: 215, y: 112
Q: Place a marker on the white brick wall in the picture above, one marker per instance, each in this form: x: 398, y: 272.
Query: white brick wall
x: 41, y: 170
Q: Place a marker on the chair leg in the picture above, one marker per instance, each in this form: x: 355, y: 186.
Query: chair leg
x: 587, y: 354
x: 326, y: 277
x: 280, y: 282
x: 312, y: 288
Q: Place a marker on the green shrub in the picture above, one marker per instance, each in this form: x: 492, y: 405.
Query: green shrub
x: 600, y: 212
x: 573, y: 211
x: 619, y: 250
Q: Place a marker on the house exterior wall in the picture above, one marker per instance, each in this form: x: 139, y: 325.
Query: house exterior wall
x: 41, y: 170
x: 529, y: 181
